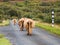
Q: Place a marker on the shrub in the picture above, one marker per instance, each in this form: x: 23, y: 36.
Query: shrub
x: 40, y: 16
x: 47, y: 18
x: 0, y: 21
x: 20, y: 4
x: 57, y: 18
x: 28, y: 16
x: 57, y: 9
x: 45, y: 4
x: 57, y: 3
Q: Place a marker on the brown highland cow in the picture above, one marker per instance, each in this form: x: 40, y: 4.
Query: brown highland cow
x: 21, y: 23
x: 14, y: 21
x: 29, y: 24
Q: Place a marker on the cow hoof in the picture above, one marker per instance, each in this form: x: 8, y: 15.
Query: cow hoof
x: 21, y: 30
x: 27, y: 33
x: 30, y: 34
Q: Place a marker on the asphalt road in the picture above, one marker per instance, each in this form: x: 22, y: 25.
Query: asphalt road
x: 39, y: 36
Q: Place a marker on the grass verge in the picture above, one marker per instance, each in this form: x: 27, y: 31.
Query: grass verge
x: 48, y: 27
x: 5, y: 23
x: 4, y: 41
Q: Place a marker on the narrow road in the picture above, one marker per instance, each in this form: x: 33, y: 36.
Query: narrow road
x: 39, y: 36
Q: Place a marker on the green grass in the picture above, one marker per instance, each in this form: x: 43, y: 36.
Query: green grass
x: 1, y: 35
x: 4, y: 41
x: 49, y: 28
x: 4, y: 23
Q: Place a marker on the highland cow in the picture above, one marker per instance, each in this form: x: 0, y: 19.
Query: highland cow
x: 21, y: 23
x: 29, y: 24
x: 14, y: 21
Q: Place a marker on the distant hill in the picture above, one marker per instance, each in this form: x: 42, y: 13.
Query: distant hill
x: 10, y: 0
x: 47, y: 0
x: 32, y: 0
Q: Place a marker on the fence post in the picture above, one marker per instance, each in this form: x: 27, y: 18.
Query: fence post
x: 52, y: 18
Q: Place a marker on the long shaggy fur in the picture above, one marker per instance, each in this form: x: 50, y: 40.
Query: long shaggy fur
x: 14, y: 21
x: 29, y: 24
x: 21, y: 23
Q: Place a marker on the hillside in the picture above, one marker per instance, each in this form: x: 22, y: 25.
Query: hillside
x: 33, y: 0
x: 30, y: 9
x: 10, y: 0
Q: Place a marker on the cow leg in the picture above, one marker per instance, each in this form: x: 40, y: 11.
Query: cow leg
x: 21, y: 29
x: 30, y: 32
x: 27, y: 31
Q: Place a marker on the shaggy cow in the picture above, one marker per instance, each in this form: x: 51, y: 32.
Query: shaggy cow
x: 14, y: 21
x: 21, y: 23
x: 29, y: 24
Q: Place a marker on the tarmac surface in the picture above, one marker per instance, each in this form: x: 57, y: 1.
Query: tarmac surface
x: 39, y: 36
